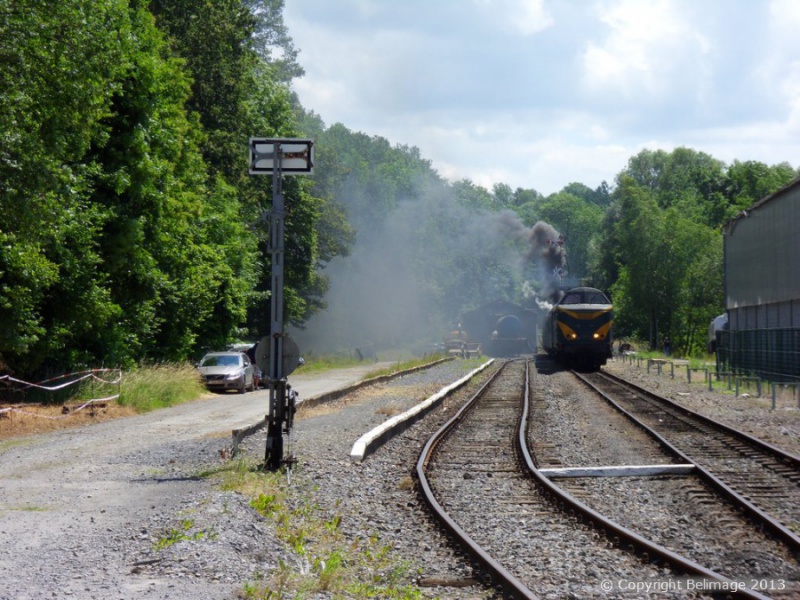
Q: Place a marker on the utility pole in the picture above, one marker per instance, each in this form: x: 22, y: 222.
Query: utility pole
x: 276, y: 157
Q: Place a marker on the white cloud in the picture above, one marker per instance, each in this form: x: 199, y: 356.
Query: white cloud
x: 540, y: 93
x: 648, y: 45
x: 527, y: 17
x: 781, y: 69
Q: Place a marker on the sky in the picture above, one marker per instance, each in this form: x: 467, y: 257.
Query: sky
x: 538, y: 94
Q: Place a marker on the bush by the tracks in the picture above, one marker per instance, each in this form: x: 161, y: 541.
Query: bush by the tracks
x: 157, y: 386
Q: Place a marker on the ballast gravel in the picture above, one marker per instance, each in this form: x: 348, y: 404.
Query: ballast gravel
x: 82, y: 511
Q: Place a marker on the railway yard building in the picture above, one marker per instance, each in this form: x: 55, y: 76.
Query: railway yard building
x: 762, y: 288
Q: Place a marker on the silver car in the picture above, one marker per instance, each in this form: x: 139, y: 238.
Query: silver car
x: 227, y: 370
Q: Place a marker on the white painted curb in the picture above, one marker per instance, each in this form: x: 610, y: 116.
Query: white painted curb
x: 372, y: 440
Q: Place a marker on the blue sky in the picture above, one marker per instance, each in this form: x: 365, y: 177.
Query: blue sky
x: 541, y: 93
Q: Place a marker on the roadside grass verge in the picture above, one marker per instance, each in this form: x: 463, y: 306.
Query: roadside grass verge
x: 333, y: 564
x: 152, y: 387
x: 404, y: 365
x: 400, y: 360
x: 321, y: 363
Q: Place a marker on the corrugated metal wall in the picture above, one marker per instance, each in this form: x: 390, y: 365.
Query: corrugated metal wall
x: 762, y: 252
x: 762, y: 286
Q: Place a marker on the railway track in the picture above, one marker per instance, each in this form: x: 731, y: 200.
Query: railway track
x: 478, y: 479
x: 761, y: 480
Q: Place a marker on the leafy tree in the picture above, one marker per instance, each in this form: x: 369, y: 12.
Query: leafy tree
x: 643, y: 277
x: 473, y: 196
x: 526, y: 196
x: 750, y: 181
x: 601, y: 196
x: 503, y: 195
x: 700, y: 296
x: 272, y: 41
x: 577, y: 220
x: 167, y: 267
x: 61, y: 65
x: 669, y: 269
x: 240, y: 90
x: 216, y: 41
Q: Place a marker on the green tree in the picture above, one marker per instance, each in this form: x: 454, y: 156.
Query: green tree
x: 641, y: 287
x: 577, y: 220
x: 747, y: 182
x: 239, y: 90
x: 503, y: 195
x: 61, y: 66
x: 525, y: 196
x: 272, y: 41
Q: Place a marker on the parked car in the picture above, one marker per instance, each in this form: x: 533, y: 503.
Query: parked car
x: 227, y: 370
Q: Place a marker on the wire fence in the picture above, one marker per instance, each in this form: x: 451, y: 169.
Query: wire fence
x: 94, y: 385
x: 771, y: 354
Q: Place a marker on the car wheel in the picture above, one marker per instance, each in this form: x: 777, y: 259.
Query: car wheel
x: 243, y: 388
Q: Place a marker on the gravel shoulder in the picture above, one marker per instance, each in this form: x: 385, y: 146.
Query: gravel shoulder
x: 746, y: 412
x: 81, y: 510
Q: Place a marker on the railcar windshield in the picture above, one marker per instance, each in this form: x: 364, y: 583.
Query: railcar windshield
x: 584, y: 297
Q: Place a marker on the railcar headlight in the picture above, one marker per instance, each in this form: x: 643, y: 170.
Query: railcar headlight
x: 567, y: 331
x: 602, y: 333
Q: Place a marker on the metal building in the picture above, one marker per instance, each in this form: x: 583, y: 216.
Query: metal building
x: 762, y: 288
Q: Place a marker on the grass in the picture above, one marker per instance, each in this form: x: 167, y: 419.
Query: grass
x: 159, y: 386
x: 317, y: 364
x: 335, y: 565
x: 404, y: 365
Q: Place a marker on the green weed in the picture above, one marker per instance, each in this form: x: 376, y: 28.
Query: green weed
x: 182, y: 533
x: 335, y: 565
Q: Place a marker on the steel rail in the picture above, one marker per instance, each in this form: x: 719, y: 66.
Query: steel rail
x: 753, y: 511
x: 776, y: 452
x: 613, y: 529
x: 510, y: 585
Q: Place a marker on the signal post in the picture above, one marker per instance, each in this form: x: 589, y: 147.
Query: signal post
x: 278, y: 157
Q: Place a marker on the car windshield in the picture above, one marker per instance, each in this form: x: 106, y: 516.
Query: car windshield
x: 221, y: 360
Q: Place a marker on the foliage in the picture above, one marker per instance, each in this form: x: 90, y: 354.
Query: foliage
x: 62, y: 64
x: 659, y: 248
x: 124, y: 200
x: 151, y: 387
x: 577, y: 220
x: 132, y: 232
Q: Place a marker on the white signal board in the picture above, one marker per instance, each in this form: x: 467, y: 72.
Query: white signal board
x: 296, y: 156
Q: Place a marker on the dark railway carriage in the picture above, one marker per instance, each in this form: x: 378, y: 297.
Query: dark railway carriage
x: 502, y: 328
x: 577, y: 330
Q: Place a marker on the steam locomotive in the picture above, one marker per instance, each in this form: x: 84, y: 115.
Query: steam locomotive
x: 577, y: 330
x: 502, y: 328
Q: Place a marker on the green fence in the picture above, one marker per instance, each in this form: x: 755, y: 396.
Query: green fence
x: 772, y: 354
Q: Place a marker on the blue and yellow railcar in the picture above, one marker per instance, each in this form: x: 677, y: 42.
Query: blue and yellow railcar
x: 577, y: 330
